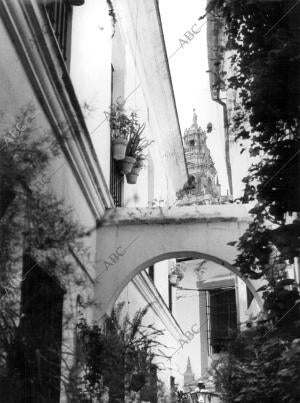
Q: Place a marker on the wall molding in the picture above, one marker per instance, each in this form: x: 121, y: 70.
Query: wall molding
x: 149, y: 292
x: 39, y: 54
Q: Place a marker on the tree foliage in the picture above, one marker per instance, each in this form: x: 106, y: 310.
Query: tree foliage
x: 33, y: 215
x: 263, y: 37
x: 259, y: 367
x: 262, y: 364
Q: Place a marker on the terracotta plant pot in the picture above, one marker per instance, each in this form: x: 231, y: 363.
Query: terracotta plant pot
x: 133, y: 175
x: 127, y: 164
x: 119, y: 148
x: 173, y: 279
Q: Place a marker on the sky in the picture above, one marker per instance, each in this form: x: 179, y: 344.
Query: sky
x: 188, y: 64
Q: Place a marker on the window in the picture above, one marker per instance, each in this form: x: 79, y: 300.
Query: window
x: 223, y: 318
x: 116, y: 183
x: 192, y: 143
x: 59, y: 13
x: 38, y: 355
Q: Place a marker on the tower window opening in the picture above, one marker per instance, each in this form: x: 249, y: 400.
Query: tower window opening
x: 192, y: 143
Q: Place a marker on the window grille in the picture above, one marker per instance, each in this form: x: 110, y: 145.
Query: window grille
x: 116, y: 183
x: 59, y: 13
x: 223, y: 318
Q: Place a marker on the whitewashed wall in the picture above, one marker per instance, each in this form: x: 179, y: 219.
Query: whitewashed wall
x: 18, y: 89
x: 90, y: 70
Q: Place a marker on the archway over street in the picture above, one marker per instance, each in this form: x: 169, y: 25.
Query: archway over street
x: 131, y: 239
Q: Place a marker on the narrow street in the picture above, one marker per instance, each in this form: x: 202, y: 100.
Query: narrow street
x: 149, y: 201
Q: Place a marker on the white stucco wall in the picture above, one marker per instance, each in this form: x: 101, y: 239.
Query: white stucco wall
x: 90, y: 70
x: 66, y: 181
x: 135, y: 299
x: 17, y: 94
x: 154, y: 186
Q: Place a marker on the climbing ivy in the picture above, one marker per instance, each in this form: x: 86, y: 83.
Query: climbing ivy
x: 259, y: 367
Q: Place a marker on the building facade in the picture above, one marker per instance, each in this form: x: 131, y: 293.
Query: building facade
x: 72, y: 60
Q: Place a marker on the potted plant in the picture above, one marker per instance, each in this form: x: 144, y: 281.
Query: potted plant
x: 132, y: 176
x: 135, y: 152
x: 175, y: 275
x: 120, y: 125
x: 134, y: 144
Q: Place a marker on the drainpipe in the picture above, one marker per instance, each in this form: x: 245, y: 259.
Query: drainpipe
x: 227, y: 154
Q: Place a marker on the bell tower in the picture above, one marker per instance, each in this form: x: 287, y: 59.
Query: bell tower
x: 188, y: 376
x: 203, y: 185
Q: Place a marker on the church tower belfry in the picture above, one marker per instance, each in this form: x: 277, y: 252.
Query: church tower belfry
x: 203, y: 185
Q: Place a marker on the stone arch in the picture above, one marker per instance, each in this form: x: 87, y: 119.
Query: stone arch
x: 179, y: 254
x: 131, y: 239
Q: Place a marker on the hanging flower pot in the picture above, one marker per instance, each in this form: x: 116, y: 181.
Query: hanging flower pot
x: 132, y: 176
x: 120, y: 125
x: 127, y: 164
x: 119, y: 148
x: 137, y: 381
x: 173, y: 279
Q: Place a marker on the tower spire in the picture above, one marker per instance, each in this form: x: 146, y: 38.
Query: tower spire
x: 188, y: 365
x: 189, y: 376
x: 195, y: 118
